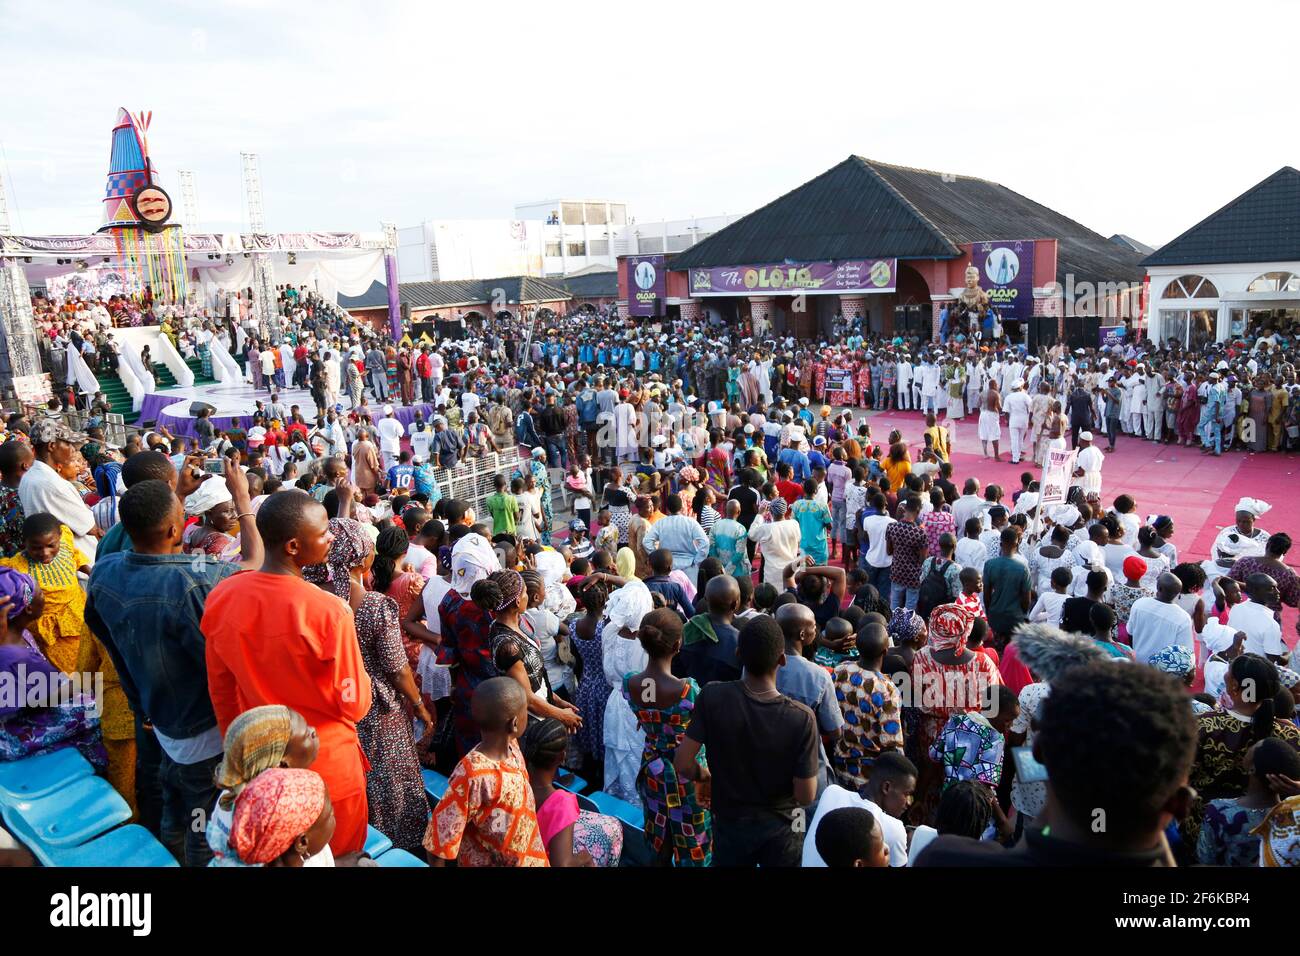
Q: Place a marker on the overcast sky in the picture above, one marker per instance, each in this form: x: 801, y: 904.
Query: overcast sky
x: 1130, y: 117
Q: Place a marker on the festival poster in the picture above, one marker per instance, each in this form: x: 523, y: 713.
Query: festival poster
x: 1007, y: 274
x: 647, y: 285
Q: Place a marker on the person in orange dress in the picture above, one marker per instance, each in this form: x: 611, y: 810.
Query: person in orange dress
x: 273, y: 638
x: 488, y: 816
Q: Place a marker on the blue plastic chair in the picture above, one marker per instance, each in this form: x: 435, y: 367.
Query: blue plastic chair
x: 570, y: 782
x: 39, y: 776
x: 128, y: 846
x: 400, y: 858
x: 435, y: 784
x: 72, y: 815
x: 613, y: 806
x: 376, y: 843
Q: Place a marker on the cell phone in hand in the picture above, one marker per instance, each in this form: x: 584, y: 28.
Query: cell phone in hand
x: 214, y: 466
x: 1028, y: 769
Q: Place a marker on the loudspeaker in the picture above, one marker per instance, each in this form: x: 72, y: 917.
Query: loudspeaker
x: 404, y: 310
x: 197, y: 407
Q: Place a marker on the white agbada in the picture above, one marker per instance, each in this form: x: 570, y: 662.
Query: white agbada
x: 1090, y: 460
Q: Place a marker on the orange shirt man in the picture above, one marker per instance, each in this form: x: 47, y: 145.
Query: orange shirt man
x: 273, y: 638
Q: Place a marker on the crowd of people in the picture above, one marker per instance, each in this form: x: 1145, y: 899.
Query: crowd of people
x: 778, y: 638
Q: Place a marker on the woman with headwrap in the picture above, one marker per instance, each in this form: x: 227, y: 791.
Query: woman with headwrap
x: 216, y: 533
x: 946, y: 679
x: 517, y: 654
x: 1240, y: 540
x: 47, y: 716
x: 259, y: 739
x: 394, y: 787
x: 284, y: 818
x: 622, y: 654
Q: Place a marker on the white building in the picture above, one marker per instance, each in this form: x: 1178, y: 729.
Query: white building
x: 1235, y: 274
x: 554, y: 237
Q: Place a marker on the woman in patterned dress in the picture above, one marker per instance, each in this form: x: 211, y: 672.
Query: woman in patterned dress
x: 593, y: 690
x: 678, y: 823
x: 716, y: 465
x: 947, y: 679
x: 574, y: 437
x: 394, y: 788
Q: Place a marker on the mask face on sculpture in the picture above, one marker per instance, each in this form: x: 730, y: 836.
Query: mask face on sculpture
x: 972, y: 277
x: 153, y: 207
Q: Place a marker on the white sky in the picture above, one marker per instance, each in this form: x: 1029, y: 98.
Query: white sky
x: 1131, y: 117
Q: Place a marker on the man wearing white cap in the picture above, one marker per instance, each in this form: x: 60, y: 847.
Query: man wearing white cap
x: 390, y: 437
x: 1018, y: 407
x: 1154, y: 412
x: 1088, y: 465
x: 904, y: 382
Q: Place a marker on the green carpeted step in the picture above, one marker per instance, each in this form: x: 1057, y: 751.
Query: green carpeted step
x: 196, y: 366
x: 162, y: 376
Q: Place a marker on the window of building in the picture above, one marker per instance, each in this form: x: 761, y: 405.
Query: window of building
x: 598, y: 247
x: 1276, y: 282
x: 1191, y: 328
x: 618, y: 214
x: 1191, y: 287
x: 553, y: 249
x: 680, y: 242
x: 575, y: 248
x: 649, y: 245
x: 595, y: 213
x: 572, y: 213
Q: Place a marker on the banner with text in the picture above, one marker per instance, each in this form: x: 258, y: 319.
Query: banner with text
x: 1007, y: 275
x: 647, y: 285
x: 1056, y: 477
x: 1111, y: 335
x: 838, y: 276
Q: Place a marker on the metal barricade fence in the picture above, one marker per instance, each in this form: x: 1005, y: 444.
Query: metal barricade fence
x: 471, y: 480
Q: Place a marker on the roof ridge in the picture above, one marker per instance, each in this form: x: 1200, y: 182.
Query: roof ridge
x: 917, y: 169
x: 1221, y: 210
x: 935, y: 231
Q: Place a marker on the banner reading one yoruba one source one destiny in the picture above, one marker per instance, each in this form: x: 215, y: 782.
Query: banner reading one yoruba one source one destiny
x: 647, y: 285
x: 843, y: 275
x: 1007, y: 275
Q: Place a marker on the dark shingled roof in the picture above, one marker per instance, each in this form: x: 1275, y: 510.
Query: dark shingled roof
x: 513, y: 290
x: 1260, y: 225
x: 591, y: 285
x: 867, y: 209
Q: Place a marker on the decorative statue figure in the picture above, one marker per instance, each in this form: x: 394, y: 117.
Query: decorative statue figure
x: 973, y: 302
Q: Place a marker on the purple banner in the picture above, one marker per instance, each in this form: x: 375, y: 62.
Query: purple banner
x: 647, y: 285
x: 1007, y: 275
x: 844, y: 275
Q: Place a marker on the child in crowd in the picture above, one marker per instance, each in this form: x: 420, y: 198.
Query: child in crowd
x: 1048, y: 606
x: 972, y: 589
x: 488, y: 816
x: 52, y: 559
x: 851, y: 837
x: 979, y: 632
x: 504, y: 508
x: 573, y: 836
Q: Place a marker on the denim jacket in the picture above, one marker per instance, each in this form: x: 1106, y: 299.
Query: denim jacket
x: 146, y: 609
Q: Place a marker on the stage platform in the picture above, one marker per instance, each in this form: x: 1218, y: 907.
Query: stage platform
x: 171, y: 408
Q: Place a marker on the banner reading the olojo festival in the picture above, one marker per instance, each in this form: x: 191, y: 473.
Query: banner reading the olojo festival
x: 1111, y: 335
x: 647, y: 285
x: 1007, y: 275
x: 1056, y: 477
x: 839, y: 276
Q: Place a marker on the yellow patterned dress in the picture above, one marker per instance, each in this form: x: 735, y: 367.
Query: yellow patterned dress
x: 62, y: 625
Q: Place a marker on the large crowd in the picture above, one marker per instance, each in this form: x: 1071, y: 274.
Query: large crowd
x: 778, y: 637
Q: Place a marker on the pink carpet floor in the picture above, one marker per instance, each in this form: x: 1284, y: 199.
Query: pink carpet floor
x: 1197, y: 491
